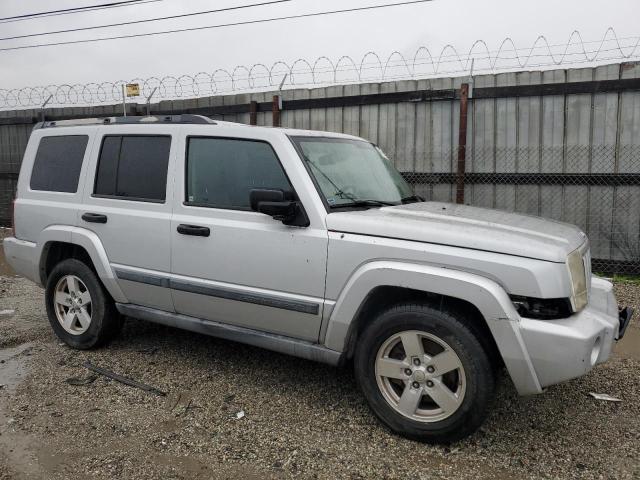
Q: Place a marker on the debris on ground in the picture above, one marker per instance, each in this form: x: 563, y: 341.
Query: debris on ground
x: 604, y: 396
x: 79, y: 381
x: 125, y: 380
x: 7, y: 312
x: 240, y: 414
x: 179, y: 403
x: 147, y: 350
x: 103, y: 432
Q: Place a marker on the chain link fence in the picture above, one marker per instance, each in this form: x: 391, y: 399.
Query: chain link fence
x: 594, y: 187
x: 559, y: 144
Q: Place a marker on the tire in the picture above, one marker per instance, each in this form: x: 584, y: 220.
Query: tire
x: 402, y: 401
x: 86, y: 318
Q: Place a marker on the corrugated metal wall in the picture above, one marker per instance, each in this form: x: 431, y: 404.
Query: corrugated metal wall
x: 552, y: 135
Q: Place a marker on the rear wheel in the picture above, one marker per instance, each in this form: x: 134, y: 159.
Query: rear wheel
x: 424, y: 373
x: 80, y: 311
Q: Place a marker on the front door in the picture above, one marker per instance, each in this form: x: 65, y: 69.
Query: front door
x: 236, y: 266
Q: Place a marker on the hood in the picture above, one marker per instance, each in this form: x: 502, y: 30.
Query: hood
x: 465, y: 226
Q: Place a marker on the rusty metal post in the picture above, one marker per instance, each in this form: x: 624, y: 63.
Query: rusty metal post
x: 253, y: 112
x: 275, y: 110
x: 462, y: 142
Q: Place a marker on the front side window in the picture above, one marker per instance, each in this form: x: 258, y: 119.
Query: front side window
x: 133, y: 167
x: 353, y: 172
x: 58, y: 162
x: 221, y: 172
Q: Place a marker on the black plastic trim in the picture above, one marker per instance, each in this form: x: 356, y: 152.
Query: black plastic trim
x: 255, y: 298
x: 220, y: 292
x: 624, y: 316
x: 561, y: 305
x: 155, y: 280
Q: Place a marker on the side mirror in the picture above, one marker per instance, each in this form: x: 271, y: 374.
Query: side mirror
x: 279, y: 205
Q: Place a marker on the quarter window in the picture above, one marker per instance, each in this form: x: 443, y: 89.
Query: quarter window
x: 58, y: 161
x: 133, y: 167
x: 221, y: 172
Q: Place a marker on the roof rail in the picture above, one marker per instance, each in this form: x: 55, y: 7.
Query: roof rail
x: 153, y: 119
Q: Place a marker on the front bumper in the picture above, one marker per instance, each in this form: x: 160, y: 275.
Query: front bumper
x: 564, y: 349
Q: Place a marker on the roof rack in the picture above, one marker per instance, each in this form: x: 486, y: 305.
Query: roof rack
x: 134, y: 120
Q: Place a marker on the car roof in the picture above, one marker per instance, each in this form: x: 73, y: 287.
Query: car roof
x: 198, y: 122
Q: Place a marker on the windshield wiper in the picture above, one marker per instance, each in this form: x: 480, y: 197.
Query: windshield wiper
x: 412, y: 199
x: 365, y: 203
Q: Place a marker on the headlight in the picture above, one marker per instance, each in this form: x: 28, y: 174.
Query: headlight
x: 542, y: 308
x: 575, y: 264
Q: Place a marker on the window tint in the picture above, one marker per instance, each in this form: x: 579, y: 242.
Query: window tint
x: 133, y: 167
x: 221, y: 172
x: 58, y: 163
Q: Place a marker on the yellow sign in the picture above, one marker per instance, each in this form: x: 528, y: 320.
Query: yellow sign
x: 133, y: 89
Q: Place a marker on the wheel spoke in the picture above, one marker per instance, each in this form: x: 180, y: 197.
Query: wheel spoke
x: 68, y: 320
x: 83, y: 317
x: 85, y: 298
x: 410, y: 400
x: 391, y: 368
x: 412, y: 344
x: 63, y: 298
x: 445, y: 362
x: 72, y: 284
x: 444, y: 397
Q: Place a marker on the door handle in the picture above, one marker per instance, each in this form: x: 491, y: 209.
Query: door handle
x: 94, y: 217
x: 193, y: 230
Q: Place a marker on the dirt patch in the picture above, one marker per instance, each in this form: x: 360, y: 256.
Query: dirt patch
x: 302, y: 419
x: 5, y: 268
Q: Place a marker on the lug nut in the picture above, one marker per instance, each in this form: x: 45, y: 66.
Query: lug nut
x: 430, y: 369
x: 407, y: 371
x: 416, y: 361
x: 415, y: 385
x: 429, y: 384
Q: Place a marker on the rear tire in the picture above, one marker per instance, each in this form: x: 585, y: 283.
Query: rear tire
x: 80, y: 311
x: 424, y: 373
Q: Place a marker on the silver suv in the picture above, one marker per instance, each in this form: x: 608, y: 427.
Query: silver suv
x: 313, y: 245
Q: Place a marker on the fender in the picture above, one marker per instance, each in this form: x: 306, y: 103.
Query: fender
x: 92, y: 244
x: 488, y: 297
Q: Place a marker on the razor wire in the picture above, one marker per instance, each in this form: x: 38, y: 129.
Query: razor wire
x: 371, y: 67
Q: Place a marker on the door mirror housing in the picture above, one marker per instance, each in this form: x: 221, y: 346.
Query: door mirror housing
x: 280, y: 205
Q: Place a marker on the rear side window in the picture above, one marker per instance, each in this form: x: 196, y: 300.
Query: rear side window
x: 133, y: 167
x: 58, y: 163
x: 222, y: 171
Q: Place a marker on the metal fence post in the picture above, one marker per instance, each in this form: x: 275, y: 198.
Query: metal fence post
x: 462, y: 143
x: 253, y: 112
x: 275, y: 110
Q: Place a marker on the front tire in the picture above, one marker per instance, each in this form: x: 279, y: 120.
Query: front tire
x: 424, y: 373
x: 80, y: 311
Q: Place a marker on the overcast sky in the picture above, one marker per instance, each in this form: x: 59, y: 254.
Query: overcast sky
x: 403, y: 28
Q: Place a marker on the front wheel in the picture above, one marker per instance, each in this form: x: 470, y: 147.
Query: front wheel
x: 424, y: 373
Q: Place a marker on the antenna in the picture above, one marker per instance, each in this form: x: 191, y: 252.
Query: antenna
x: 44, y: 105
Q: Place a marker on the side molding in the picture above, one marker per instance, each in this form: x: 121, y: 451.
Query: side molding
x: 489, y: 297
x: 270, y: 341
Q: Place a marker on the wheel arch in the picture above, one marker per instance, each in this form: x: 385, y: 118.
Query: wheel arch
x: 386, y: 296
x: 375, y: 284
x: 57, y: 243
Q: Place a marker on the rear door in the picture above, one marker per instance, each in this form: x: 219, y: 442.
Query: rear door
x: 127, y: 204
x: 237, y: 266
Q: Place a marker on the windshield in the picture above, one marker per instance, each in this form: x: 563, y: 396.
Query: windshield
x: 353, y: 172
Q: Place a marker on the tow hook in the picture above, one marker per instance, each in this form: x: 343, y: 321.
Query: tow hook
x: 624, y: 316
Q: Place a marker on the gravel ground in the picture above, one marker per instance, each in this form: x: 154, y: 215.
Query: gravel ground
x: 301, y: 419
